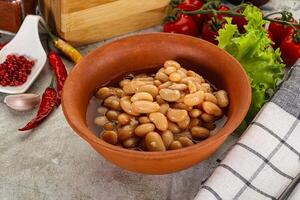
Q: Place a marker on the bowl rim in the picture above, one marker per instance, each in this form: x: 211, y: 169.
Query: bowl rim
x: 225, y: 131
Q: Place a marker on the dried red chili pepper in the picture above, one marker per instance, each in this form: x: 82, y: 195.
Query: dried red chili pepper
x: 47, y: 105
x: 60, y: 73
x: 1, y: 45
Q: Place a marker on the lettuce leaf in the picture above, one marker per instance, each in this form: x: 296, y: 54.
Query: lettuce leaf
x: 253, y: 50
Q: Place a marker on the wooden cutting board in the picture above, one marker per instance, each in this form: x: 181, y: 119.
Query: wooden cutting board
x: 87, y: 21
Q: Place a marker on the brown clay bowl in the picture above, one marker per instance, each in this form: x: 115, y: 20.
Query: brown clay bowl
x: 149, y: 51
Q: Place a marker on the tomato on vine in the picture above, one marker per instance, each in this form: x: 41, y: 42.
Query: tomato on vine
x: 279, y: 30
x: 182, y: 24
x: 290, y: 48
x: 210, y: 30
x: 192, y: 5
x: 219, y: 16
x: 240, y: 21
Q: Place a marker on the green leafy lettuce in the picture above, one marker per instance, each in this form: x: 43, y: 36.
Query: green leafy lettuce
x: 254, y: 51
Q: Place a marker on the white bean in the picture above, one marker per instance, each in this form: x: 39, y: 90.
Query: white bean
x: 167, y: 137
x: 172, y: 63
x: 210, y: 97
x: 175, y: 145
x: 194, y: 99
x: 131, y: 142
x: 159, y: 100
x: 102, y: 110
x: 179, y: 86
x: 125, y: 132
x: 211, y: 108
x: 151, y: 89
x: 169, y: 95
x: 154, y: 142
x: 124, y: 119
x: 184, y: 123
x: 144, y: 120
x: 165, y: 85
x: 176, y: 115
x: 185, y: 141
x: 133, y: 86
x: 143, y: 129
x: 162, y: 77
x: 200, y: 132
x: 127, y: 106
x: 159, y: 120
x: 100, y: 121
x: 195, y: 113
x: 164, y: 108
x: 142, y: 96
x: 207, y: 117
x: 173, y: 127
x: 112, y: 115
x: 170, y: 70
x: 192, y: 86
x: 104, y: 92
x: 124, y: 82
x: 145, y: 107
x: 110, y: 136
x: 112, y: 102
x: 175, y: 77
x: 222, y: 98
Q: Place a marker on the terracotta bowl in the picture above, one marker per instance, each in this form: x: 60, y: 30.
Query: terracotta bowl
x: 148, y: 52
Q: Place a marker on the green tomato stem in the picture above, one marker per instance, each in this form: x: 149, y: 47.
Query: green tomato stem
x: 174, y: 3
x: 210, y: 3
x: 274, y: 13
x: 211, y: 11
x: 242, y: 5
x: 281, y: 22
x: 296, y: 36
x: 230, y: 13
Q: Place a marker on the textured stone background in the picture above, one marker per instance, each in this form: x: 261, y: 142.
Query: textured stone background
x: 52, y: 162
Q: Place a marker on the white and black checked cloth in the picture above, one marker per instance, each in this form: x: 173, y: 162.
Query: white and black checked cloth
x: 267, y: 156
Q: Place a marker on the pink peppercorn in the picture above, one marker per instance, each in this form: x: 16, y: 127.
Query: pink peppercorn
x: 14, y: 70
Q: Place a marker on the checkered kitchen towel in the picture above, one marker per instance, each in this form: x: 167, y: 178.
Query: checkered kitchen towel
x: 267, y: 156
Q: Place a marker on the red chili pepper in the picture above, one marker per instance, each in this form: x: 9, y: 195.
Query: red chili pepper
x: 60, y: 73
x: 47, y: 105
x: 1, y: 45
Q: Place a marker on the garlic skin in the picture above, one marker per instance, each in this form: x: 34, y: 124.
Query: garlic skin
x: 22, y: 102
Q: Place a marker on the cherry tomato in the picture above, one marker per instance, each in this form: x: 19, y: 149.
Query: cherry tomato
x: 210, y: 31
x: 290, y: 50
x: 191, y: 5
x: 272, y: 39
x: 280, y: 31
x: 184, y: 24
x: 240, y: 22
x: 219, y: 16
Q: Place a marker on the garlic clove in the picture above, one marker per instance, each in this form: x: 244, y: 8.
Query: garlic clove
x: 22, y: 102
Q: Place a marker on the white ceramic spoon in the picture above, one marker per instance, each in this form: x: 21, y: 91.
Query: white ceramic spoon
x: 27, y: 43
